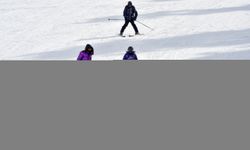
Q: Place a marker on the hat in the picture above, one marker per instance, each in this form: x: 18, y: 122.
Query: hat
x: 130, y: 48
x: 89, y: 48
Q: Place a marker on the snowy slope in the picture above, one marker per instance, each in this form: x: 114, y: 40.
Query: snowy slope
x: 184, y: 29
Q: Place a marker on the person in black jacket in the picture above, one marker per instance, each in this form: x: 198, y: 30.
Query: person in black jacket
x: 130, y: 14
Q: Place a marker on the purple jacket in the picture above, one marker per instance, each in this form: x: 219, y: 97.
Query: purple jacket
x: 130, y: 55
x: 84, y: 56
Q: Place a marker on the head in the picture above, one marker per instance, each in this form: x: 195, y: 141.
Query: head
x: 130, y: 49
x: 130, y: 3
x: 89, y: 49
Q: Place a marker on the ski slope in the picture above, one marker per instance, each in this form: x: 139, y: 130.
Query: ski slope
x: 183, y: 29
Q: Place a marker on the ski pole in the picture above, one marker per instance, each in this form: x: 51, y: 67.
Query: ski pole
x: 145, y: 25
x: 114, y: 19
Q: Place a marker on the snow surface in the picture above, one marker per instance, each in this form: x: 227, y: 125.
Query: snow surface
x: 184, y: 29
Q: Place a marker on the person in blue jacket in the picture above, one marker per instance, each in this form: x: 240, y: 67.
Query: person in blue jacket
x: 130, y: 54
x: 130, y: 14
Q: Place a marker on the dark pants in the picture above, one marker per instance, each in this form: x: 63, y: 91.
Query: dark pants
x: 126, y: 24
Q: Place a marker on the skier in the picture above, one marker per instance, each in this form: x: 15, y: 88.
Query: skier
x: 130, y: 14
x: 130, y: 54
x: 86, y: 54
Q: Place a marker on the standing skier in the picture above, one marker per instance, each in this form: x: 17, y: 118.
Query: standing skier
x: 86, y: 54
x: 130, y: 54
x: 130, y: 14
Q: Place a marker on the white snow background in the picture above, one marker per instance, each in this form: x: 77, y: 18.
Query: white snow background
x: 183, y: 29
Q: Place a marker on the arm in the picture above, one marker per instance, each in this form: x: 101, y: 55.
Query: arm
x: 79, y: 57
x: 135, y: 14
x: 125, y: 15
x: 136, y: 57
x: 124, y: 57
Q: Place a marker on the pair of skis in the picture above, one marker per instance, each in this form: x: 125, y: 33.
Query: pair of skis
x: 110, y: 37
x: 130, y: 35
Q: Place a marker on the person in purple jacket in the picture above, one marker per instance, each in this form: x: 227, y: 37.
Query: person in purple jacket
x: 130, y: 54
x: 86, y: 55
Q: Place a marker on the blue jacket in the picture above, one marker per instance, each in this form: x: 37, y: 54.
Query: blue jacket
x: 130, y: 55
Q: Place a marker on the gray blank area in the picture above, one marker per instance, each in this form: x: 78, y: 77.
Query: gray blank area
x: 144, y: 105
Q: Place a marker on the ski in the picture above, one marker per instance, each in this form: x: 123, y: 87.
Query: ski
x: 130, y: 35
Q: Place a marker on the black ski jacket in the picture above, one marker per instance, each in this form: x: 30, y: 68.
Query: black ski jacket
x: 130, y: 13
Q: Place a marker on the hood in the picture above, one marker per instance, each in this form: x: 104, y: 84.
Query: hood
x: 130, y: 52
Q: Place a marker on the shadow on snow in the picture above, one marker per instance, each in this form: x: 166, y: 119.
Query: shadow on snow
x: 202, y: 40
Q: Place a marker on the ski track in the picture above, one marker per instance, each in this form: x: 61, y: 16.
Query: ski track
x: 184, y: 29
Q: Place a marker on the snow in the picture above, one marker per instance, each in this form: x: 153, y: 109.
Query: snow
x: 183, y: 29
